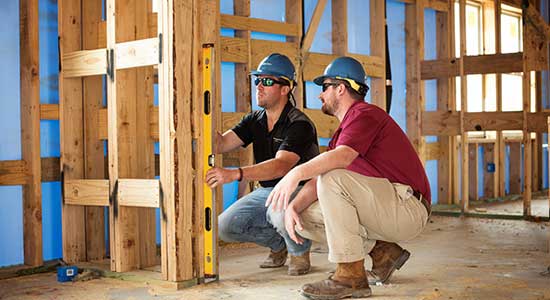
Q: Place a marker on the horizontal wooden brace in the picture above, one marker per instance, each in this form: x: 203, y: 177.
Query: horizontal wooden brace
x: 326, y: 125
x: 317, y: 62
x: 138, y: 192
x: 14, y: 172
x: 49, y: 111
x: 261, y: 25
x: 447, y: 123
x: 234, y: 49
x: 89, y: 192
x: 480, y: 64
x: 138, y: 53
x: 84, y: 63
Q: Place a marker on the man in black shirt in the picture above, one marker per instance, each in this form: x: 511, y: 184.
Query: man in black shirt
x: 283, y: 137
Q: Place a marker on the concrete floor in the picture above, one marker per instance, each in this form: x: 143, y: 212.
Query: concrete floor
x: 453, y: 258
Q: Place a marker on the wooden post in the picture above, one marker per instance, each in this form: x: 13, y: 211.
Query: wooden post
x: 340, y: 27
x: 490, y: 184
x: 93, y: 151
x: 242, y: 90
x: 473, y: 158
x: 414, y: 39
x: 527, y: 151
x: 294, y: 12
x: 463, y: 107
x: 515, y: 168
x: 71, y: 130
x: 445, y: 103
x: 30, y: 130
x: 500, y: 152
x: 378, y: 49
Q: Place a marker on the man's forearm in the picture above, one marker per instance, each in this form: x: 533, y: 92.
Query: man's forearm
x: 306, y: 196
x: 267, y: 170
x: 338, y: 158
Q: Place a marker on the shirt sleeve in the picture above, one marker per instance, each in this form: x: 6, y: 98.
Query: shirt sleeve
x: 359, y: 133
x: 299, y: 137
x: 244, y: 129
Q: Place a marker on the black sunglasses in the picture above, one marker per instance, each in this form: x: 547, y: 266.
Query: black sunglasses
x: 268, y: 81
x: 327, y: 84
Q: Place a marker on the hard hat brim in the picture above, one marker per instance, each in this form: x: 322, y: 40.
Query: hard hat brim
x: 319, y: 80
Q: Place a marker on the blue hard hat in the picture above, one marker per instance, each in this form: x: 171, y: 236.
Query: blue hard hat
x: 348, y: 69
x: 277, y: 65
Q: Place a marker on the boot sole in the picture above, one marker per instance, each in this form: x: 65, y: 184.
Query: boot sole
x: 401, y: 260
x: 360, y: 293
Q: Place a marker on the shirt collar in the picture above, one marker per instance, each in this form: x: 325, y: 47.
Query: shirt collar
x: 282, y: 117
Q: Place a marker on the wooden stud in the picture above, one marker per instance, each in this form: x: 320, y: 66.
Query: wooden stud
x: 378, y: 49
x: 529, y: 52
x: 473, y: 157
x: 71, y: 130
x: 414, y: 41
x: 340, y: 27
x: 515, y: 168
x: 294, y: 14
x: 138, y: 192
x: 94, y: 164
x: 243, y: 91
x: 500, y: 145
x: 490, y: 182
x: 244, y: 23
x: 464, y: 108
x: 30, y: 131
x: 445, y: 171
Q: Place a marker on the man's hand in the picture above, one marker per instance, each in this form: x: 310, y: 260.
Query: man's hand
x: 292, y: 220
x: 280, y: 195
x: 218, y: 176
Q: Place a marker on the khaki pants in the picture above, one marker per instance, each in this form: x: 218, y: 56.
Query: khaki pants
x: 356, y: 210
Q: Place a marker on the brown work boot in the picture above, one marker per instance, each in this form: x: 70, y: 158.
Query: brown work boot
x: 275, y: 259
x: 349, y: 281
x: 386, y: 258
x: 299, y: 265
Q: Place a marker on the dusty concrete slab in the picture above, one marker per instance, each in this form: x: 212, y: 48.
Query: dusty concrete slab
x: 453, y: 259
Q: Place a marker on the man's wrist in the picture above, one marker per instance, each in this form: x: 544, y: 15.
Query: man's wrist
x: 239, y: 174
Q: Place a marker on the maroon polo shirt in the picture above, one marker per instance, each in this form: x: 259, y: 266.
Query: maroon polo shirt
x: 384, y: 149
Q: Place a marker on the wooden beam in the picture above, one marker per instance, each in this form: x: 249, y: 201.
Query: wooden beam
x: 138, y: 192
x: 244, y: 23
x: 313, y: 25
x: 235, y: 50
x: 262, y: 48
x: 94, y: 165
x: 84, y: 63
x: 137, y: 53
x: 326, y: 125
x: 71, y: 130
x: 443, y: 123
x: 529, y: 54
x: 340, y: 27
x: 92, y: 192
x: 316, y: 63
x: 378, y: 49
x: 478, y: 64
x: 30, y: 130
x: 432, y: 151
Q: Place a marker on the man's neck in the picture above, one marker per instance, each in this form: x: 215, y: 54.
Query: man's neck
x: 343, y: 109
x: 273, y: 114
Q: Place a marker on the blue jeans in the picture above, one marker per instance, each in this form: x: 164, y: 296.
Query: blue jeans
x: 248, y: 220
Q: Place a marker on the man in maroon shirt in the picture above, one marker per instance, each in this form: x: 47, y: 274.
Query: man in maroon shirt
x: 371, y: 186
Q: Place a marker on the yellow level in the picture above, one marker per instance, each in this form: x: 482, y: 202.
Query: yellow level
x: 210, y: 255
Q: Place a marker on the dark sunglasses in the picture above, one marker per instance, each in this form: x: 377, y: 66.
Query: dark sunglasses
x: 268, y: 81
x: 327, y: 84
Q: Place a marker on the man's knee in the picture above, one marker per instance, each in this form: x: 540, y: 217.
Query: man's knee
x: 276, y: 218
x: 231, y: 226
x: 329, y: 180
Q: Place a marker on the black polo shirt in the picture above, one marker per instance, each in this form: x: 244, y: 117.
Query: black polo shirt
x: 293, y: 132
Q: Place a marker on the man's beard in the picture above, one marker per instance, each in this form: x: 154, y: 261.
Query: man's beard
x: 328, y: 110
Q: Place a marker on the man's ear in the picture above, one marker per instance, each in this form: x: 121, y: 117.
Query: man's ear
x: 285, y: 90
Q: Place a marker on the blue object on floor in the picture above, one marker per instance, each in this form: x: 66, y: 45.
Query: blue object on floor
x: 66, y: 273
